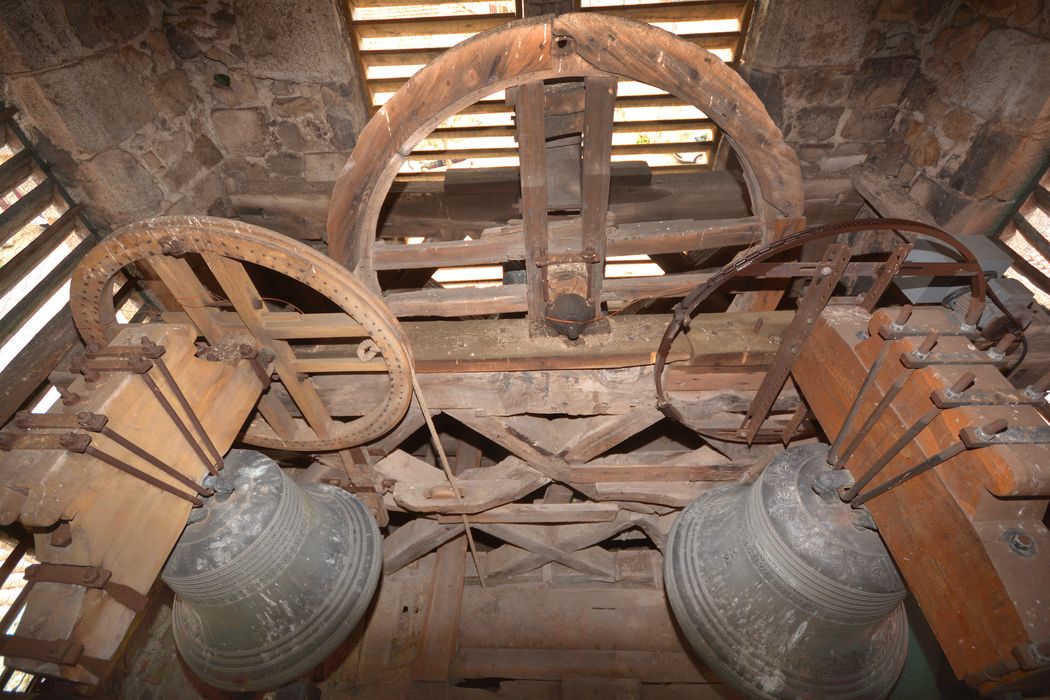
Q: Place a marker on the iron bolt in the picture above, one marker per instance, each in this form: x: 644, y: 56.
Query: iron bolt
x: 1020, y: 542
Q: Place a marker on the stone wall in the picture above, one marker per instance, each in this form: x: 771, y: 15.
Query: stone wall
x: 949, y: 98
x: 166, y: 106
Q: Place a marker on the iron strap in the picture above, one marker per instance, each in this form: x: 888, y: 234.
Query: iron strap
x: 685, y: 308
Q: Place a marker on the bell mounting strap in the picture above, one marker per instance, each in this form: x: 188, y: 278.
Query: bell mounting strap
x: 684, y: 310
x: 65, y: 652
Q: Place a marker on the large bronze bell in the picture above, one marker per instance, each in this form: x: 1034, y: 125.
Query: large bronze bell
x: 270, y: 577
x: 785, y: 594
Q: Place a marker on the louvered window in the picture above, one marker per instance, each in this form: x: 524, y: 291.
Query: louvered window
x: 395, y: 38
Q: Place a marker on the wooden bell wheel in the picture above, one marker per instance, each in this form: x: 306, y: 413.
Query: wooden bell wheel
x: 536, y: 62
x: 219, y: 272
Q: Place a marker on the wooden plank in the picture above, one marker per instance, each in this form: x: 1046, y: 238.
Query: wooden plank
x: 12, y: 560
x: 25, y: 210
x: 529, y: 124
x: 542, y: 513
x: 653, y: 666
x: 414, y: 539
x: 1032, y: 235
x: 395, y: 28
x: 595, y: 175
x: 510, y: 298
x: 437, y: 645
x: 15, y: 170
x: 620, y: 127
x: 886, y: 197
x: 29, y: 369
x: 512, y: 560
x: 294, y: 326
x: 39, y: 295
x: 676, y: 494
x: 524, y: 536
x: 26, y: 260
x: 627, y: 239
x: 605, y: 432
x: 676, y: 11
x: 648, y: 473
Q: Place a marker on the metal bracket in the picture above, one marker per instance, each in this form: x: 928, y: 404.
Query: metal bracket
x: 1022, y: 435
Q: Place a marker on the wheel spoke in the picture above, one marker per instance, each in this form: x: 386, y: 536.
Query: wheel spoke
x: 240, y: 290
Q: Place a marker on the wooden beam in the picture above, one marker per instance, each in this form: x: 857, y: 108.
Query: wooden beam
x: 437, y: 644
x: 529, y: 123
x: 22, y: 377
x: 507, y: 243
x: 26, y: 260
x: 414, y: 539
x: 15, y: 217
x: 605, y: 432
x: 15, y: 170
x: 534, y: 513
x: 597, y: 150
x: 42, y: 292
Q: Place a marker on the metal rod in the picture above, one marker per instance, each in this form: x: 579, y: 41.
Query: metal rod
x: 876, y: 413
x: 873, y: 471
x: 205, y: 438
x: 138, y: 474
x: 847, y: 425
x: 884, y: 403
x: 956, y: 389
x: 174, y: 416
x: 143, y: 454
x: 927, y: 464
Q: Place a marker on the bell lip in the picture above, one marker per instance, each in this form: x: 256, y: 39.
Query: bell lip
x: 704, y: 640
x: 268, y: 675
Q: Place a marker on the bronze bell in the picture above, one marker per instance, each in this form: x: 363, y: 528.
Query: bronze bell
x: 784, y: 593
x: 270, y: 577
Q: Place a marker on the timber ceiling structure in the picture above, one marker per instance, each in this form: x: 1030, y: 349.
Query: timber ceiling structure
x: 525, y: 349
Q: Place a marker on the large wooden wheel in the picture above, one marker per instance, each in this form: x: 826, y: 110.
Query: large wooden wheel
x: 202, y: 263
x: 519, y: 57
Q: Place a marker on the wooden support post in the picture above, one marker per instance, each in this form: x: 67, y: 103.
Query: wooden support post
x: 529, y: 122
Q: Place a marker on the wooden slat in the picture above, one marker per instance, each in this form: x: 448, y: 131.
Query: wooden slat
x: 38, y: 296
x: 624, y: 150
x: 1030, y: 271
x: 418, y: 26
x: 11, y: 562
x: 1031, y: 234
x: 1042, y: 198
x: 470, y: 301
x: 15, y: 169
x: 542, y: 513
x: 25, y: 210
x: 291, y: 325
x: 620, y: 127
x: 628, y: 239
x: 595, y: 175
x: 22, y: 377
x: 390, y: 3
x: 29, y: 257
x: 676, y: 11
x: 533, y: 171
